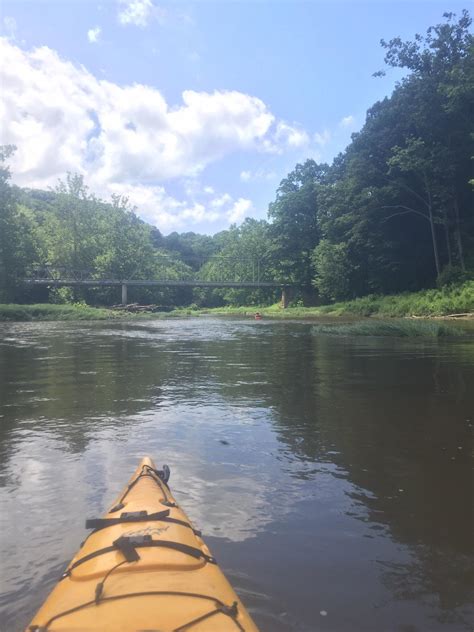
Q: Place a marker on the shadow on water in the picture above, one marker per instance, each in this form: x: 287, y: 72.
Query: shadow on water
x: 331, y: 476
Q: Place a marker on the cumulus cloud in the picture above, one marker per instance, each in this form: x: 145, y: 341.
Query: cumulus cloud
x: 291, y: 136
x: 322, y: 138
x: 221, y: 201
x: 239, y: 210
x: 62, y: 118
x: 94, y: 34
x: 168, y: 213
x: 347, y: 121
x: 138, y: 12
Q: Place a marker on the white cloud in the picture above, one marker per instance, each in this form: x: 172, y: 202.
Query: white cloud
x: 322, y: 138
x: 347, y: 121
x: 94, y: 34
x: 239, y: 210
x: 258, y: 175
x: 62, y: 118
x: 285, y: 137
x: 138, y: 12
x: 221, y: 201
x: 168, y: 213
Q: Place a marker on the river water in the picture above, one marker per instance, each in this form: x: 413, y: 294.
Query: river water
x: 331, y: 476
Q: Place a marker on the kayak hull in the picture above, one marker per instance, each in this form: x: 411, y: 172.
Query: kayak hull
x: 143, y: 567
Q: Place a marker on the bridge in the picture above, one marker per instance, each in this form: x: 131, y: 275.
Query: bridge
x: 54, y: 276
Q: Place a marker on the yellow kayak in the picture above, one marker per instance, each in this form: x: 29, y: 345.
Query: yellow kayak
x: 144, y: 567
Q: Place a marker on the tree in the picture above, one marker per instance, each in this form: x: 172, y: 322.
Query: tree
x: 441, y: 66
x: 422, y: 165
x: 16, y: 247
x: 332, y: 270
x: 128, y: 251
x: 246, y: 254
x: 294, y: 216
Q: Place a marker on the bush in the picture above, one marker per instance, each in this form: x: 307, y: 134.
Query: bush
x: 451, y: 275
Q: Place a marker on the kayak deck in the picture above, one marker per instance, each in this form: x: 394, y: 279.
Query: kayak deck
x: 143, y: 568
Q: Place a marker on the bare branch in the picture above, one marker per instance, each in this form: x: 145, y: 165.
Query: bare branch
x: 406, y: 210
x: 405, y: 186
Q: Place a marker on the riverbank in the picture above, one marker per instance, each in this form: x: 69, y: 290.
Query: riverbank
x: 451, y: 301
x: 443, y: 303
x: 45, y: 311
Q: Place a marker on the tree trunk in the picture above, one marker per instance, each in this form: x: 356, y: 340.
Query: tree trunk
x: 435, y: 243
x: 432, y: 224
x: 446, y: 234
x: 458, y: 236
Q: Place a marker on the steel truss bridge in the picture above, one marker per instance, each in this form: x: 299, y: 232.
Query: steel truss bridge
x: 54, y: 276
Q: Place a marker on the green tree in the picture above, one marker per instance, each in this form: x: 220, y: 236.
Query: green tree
x: 441, y: 66
x: 294, y: 217
x: 127, y: 248
x: 332, y: 270
x: 71, y: 228
x: 247, y: 254
x: 16, y: 247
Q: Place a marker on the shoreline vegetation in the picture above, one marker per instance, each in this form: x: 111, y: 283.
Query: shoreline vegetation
x: 395, y: 315
x: 456, y: 300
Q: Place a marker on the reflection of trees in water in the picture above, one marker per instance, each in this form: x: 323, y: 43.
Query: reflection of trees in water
x: 433, y: 573
x: 80, y: 383
x: 395, y: 422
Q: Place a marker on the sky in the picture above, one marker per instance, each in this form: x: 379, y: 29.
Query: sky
x: 193, y: 110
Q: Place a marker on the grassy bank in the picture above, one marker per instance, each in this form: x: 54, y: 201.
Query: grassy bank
x: 403, y: 328
x: 55, y: 312
x: 450, y: 300
x: 427, y: 303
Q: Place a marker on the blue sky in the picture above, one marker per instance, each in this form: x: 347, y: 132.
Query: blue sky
x: 194, y: 110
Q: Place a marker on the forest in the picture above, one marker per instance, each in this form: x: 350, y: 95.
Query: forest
x: 393, y: 213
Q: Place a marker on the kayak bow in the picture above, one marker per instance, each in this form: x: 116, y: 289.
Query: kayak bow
x: 144, y: 567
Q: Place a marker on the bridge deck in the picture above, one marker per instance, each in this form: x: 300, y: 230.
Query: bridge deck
x: 157, y: 283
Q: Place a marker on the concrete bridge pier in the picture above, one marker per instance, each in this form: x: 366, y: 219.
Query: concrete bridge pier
x: 285, y: 297
x: 124, y: 294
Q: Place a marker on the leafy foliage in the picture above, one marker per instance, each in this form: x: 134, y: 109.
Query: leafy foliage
x: 331, y: 262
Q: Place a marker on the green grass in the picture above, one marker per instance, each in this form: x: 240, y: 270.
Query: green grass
x: 427, y: 303
x: 404, y: 328
x: 450, y: 300
x: 44, y: 311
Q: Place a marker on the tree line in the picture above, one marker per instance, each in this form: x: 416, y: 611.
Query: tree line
x: 393, y: 212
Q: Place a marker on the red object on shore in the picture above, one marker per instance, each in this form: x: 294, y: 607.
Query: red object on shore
x: 258, y: 316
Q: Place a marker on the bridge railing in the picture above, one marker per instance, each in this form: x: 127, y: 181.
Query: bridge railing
x: 166, y: 270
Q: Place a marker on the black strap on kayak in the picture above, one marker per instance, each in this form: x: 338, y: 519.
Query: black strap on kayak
x: 155, y: 475
x: 127, y: 545
x: 230, y: 611
x: 221, y: 608
x: 126, y: 516
x: 136, y: 516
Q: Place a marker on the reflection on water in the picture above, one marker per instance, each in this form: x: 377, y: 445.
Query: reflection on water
x: 328, y: 474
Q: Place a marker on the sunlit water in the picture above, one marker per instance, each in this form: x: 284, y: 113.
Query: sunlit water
x: 331, y: 476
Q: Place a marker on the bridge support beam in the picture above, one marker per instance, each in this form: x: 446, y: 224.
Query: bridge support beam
x: 124, y: 294
x: 285, y: 297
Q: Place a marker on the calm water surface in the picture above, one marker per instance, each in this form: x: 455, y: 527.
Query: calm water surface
x: 331, y: 476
